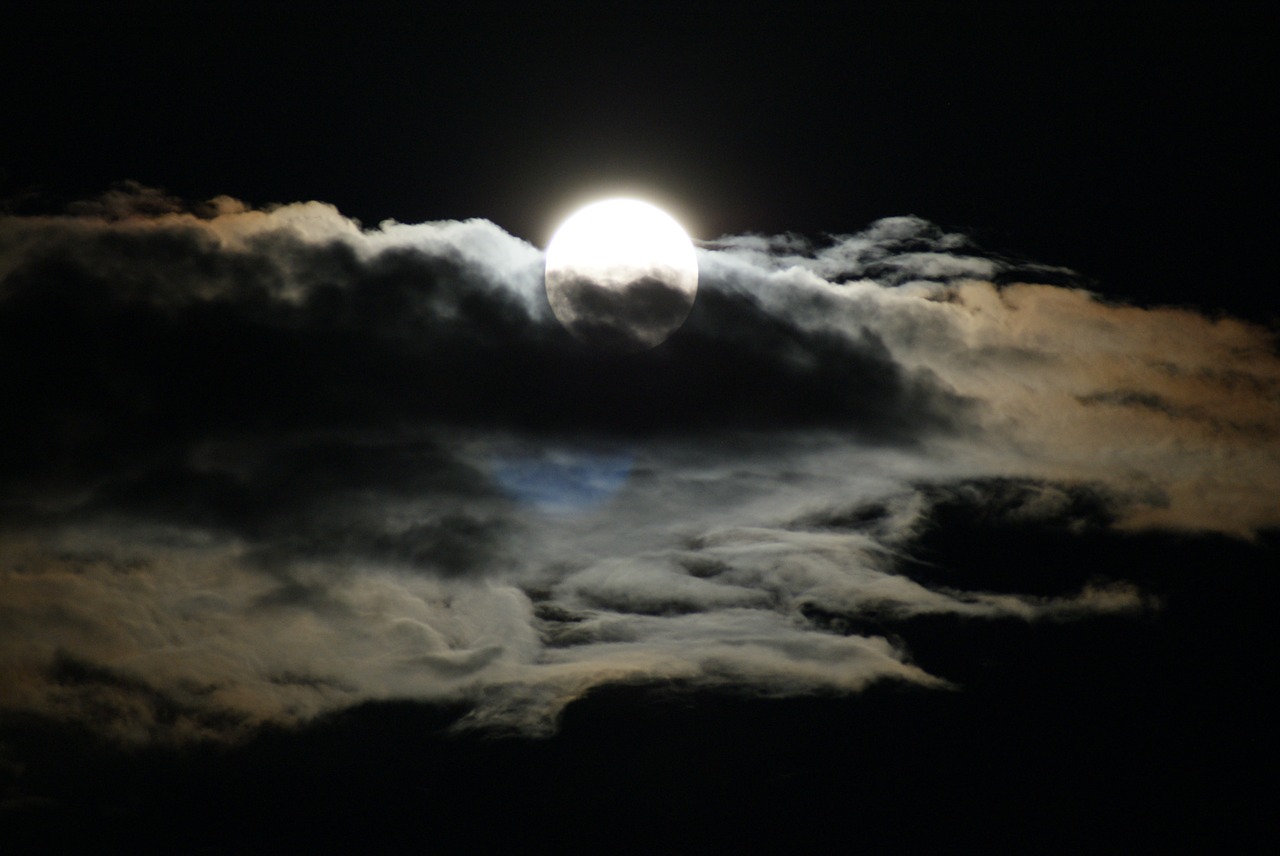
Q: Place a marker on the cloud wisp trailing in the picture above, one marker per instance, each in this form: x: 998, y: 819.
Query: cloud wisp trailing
x: 263, y: 464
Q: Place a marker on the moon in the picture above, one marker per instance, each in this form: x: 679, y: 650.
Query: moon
x: 621, y: 274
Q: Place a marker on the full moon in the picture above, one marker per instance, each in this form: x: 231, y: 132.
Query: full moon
x: 621, y: 274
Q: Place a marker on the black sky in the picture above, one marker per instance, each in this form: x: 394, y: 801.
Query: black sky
x: 1126, y: 143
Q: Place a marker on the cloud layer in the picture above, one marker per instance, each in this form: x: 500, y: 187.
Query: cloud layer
x: 263, y: 464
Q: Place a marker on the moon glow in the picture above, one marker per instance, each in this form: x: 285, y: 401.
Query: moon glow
x: 621, y: 274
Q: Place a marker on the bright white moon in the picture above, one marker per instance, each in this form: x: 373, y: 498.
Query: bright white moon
x: 621, y: 274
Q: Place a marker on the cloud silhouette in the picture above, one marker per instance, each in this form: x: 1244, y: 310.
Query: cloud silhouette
x: 633, y: 317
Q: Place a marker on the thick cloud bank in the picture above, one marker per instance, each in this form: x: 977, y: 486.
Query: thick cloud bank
x: 262, y: 464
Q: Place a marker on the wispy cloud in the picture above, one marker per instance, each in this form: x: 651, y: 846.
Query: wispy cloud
x: 262, y: 464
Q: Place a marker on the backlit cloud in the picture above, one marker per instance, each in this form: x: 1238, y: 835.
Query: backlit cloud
x: 263, y: 464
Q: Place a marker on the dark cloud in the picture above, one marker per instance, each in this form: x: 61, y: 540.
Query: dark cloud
x: 116, y: 343
x: 261, y: 465
x: 316, y: 497
x: 632, y: 318
x: 133, y: 708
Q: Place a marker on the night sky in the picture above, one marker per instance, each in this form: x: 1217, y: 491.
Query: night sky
x: 947, y: 520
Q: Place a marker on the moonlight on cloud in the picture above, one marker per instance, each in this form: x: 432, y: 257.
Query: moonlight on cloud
x: 621, y: 274
x: 635, y: 430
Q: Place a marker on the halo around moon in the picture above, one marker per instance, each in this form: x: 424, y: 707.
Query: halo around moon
x: 621, y: 274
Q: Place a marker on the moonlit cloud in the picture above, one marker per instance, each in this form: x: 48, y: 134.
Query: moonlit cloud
x: 264, y: 464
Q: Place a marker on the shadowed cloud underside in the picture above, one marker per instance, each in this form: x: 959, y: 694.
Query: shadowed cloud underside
x: 263, y: 464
